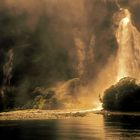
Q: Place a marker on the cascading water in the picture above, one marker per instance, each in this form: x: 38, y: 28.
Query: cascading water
x: 7, y: 68
x: 85, y: 54
x: 80, y: 48
x: 7, y: 72
x: 128, y: 38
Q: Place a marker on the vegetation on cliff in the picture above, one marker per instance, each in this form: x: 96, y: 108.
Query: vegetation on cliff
x: 123, y: 96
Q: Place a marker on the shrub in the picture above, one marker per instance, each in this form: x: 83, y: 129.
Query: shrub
x: 123, y: 96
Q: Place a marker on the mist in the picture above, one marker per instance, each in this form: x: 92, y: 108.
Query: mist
x: 63, y: 46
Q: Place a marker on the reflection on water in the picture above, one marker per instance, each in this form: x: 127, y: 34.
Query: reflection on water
x: 95, y: 127
x: 122, y: 127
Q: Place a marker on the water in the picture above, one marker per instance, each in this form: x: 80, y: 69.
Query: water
x: 128, y: 38
x: 8, y: 67
x: 95, y: 127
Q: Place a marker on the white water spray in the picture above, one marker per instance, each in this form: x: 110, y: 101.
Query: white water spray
x: 128, y: 38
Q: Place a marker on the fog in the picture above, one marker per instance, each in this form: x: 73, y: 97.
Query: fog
x: 63, y: 45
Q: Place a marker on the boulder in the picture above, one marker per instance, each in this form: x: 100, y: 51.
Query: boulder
x: 123, y: 96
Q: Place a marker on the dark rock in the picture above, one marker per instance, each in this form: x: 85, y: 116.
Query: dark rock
x: 123, y: 96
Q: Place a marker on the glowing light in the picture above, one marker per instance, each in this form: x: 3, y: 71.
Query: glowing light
x: 128, y: 38
x: 98, y: 107
x: 125, y: 20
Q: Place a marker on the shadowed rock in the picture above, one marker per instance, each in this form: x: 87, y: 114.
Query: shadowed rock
x: 123, y: 96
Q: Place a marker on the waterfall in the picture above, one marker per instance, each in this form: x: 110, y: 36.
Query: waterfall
x: 81, y: 55
x: 128, y: 38
x: 85, y: 56
x: 7, y: 68
x: 7, y: 72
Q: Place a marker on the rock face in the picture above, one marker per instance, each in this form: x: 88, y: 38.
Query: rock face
x: 123, y: 96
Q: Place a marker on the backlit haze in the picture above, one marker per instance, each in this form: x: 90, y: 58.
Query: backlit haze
x: 76, y: 48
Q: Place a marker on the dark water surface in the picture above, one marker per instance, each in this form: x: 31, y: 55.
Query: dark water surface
x: 117, y: 127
